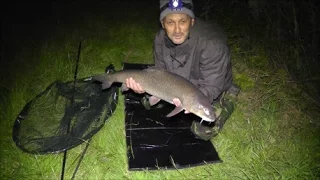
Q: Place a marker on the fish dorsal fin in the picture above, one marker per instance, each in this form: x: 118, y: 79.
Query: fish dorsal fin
x: 175, y: 111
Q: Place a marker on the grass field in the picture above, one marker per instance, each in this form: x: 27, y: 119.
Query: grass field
x: 273, y: 133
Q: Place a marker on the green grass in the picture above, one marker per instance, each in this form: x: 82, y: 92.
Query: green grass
x: 273, y: 133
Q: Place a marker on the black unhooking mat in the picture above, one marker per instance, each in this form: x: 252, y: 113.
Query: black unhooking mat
x: 157, y: 142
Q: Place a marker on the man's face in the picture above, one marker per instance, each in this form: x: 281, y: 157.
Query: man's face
x: 177, y: 27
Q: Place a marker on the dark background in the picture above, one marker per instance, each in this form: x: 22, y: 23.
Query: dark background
x: 288, y: 30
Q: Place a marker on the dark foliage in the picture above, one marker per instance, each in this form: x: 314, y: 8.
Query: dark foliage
x: 288, y: 30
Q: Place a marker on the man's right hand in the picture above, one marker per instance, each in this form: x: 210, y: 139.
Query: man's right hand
x: 136, y: 87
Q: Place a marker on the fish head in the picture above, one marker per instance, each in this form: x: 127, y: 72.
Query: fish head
x: 203, y: 109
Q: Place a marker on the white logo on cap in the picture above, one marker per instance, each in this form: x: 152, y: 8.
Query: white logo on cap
x: 175, y: 3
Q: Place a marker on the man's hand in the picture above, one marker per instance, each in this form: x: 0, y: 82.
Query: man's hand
x: 136, y: 87
x: 177, y: 103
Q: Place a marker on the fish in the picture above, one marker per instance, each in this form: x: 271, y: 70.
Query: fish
x: 163, y: 85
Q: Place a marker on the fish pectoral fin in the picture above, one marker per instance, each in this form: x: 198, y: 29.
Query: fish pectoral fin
x: 153, y: 100
x: 124, y: 87
x: 175, y: 111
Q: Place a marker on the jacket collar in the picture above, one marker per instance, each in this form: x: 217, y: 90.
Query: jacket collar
x: 181, y: 51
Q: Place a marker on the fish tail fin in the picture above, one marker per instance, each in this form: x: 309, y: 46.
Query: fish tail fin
x: 106, y: 83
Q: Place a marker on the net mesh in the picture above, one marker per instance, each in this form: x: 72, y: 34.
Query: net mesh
x: 63, y: 116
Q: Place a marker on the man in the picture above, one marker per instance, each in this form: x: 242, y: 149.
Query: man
x: 197, y: 51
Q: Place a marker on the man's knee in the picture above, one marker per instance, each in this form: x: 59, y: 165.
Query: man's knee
x: 223, y: 110
x: 202, y: 131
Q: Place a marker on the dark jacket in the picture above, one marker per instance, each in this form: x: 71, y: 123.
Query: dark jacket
x: 203, y: 58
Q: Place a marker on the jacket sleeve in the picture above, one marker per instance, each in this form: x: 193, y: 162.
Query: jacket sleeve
x: 214, y: 67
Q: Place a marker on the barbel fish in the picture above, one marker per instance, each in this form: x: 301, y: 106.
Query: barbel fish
x: 163, y: 85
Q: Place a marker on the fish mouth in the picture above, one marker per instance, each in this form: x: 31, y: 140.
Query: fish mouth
x: 207, y: 119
